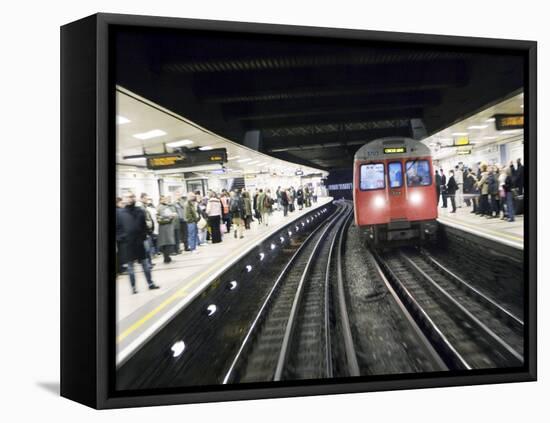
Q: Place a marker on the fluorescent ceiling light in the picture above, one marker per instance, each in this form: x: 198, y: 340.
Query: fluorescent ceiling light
x: 490, y: 138
x: 511, y: 131
x: 445, y: 139
x: 150, y: 134
x: 244, y: 160
x: 459, y: 134
x: 521, y: 106
x: 121, y: 120
x: 490, y: 120
x: 205, y: 148
x: 261, y: 164
x: 477, y: 127
x: 252, y: 162
x: 135, y: 158
x: 233, y: 158
x: 179, y: 143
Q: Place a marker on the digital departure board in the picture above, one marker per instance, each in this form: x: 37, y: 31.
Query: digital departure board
x: 186, y: 159
x: 395, y: 150
x: 503, y: 122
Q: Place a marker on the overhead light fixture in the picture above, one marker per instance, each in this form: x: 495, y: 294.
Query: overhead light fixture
x: 121, y: 120
x: 244, y: 160
x: 490, y: 138
x: 233, y: 158
x: 134, y: 158
x: 490, y: 120
x: 261, y: 164
x: 511, y: 131
x: 459, y: 134
x: 154, y: 133
x: 521, y: 105
x: 179, y: 143
x: 477, y: 127
x: 253, y: 162
x: 205, y: 148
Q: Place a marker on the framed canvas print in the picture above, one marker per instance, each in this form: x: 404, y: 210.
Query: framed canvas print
x: 265, y: 211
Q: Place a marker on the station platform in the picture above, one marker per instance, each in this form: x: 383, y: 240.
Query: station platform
x: 141, y: 315
x: 495, y: 229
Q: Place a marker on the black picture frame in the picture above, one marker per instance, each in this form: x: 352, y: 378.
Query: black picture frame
x: 87, y: 187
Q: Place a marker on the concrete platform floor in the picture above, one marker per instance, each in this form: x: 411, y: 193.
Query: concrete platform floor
x: 139, y: 315
x: 509, y: 233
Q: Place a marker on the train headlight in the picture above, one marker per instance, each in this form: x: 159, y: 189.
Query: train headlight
x: 415, y: 198
x: 379, y: 202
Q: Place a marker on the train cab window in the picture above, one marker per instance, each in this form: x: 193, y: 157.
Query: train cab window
x: 418, y: 173
x: 395, y: 174
x: 372, y: 176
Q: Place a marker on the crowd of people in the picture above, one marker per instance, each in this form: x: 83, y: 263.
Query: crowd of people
x: 491, y: 190
x: 144, y: 230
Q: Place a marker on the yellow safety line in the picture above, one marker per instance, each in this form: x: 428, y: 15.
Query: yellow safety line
x: 178, y: 294
x: 496, y: 233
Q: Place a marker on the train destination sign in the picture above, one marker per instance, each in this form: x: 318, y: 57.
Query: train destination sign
x: 395, y: 150
x: 186, y: 159
x: 503, y: 122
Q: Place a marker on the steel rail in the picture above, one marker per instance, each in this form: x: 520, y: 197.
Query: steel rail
x: 285, y: 346
x: 510, y: 351
x: 351, y: 355
x: 469, y: 288
x: 229, y: 374
x: 451, y: 355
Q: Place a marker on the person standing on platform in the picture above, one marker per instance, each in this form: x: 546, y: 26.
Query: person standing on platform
x: 443, y: 189
x: 150, y: 223
x: 247, y: 209
x: 291, y: 199
x: 492, y: 185
x: 451, y: 190
x: 508, y: 186
x: 131, y: 232
x: 284, y: 201
x: 300, y: 198
x: 166, y: 240
x: 191, y: 217
x: 180, y: 206
x: 226, y: 216
x: 518, y: 177
x: 483, y: 187
x: 214, y: 212
x: 257, y: 214
x: 236, y: 207
x: 459, y: 179
x: 437, y: 186
x: 279, y: 202
x: 264, y: 203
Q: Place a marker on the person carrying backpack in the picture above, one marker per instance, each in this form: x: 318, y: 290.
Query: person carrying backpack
x: 264, y: 205
x: 492, y: 186
x: 236, y: 208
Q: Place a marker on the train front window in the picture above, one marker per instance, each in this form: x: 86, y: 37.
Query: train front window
x: 372, y: 176
x: 418, y: 173
x: 395, y: 174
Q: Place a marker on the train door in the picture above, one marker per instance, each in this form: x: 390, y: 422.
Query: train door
x: 396, y: 191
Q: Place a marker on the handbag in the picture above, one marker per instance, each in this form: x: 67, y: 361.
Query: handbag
x: 201, y: 224
x: 223, y: 228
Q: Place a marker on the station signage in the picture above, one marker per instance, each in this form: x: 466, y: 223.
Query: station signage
x: 395, y: 150
x: 462, y: 140
x: 508, y: 121
x: 186, y: 159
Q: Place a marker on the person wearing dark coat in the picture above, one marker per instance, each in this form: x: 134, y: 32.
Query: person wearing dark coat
x: 300, y: 198
x: 285, y: 201
x: 518, y: 177
x: 443, y: 189
x: 437, y: 186
x: 131, y: 232
x: 452, y: 186
x: 166, y: 240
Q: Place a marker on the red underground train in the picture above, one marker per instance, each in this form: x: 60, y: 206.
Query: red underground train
x: 394, y: 191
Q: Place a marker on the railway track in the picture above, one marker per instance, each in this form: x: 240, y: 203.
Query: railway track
x: 290, y: 337
x: 466, y: 327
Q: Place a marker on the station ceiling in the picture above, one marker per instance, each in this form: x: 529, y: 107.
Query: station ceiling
x: 309, y: 100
